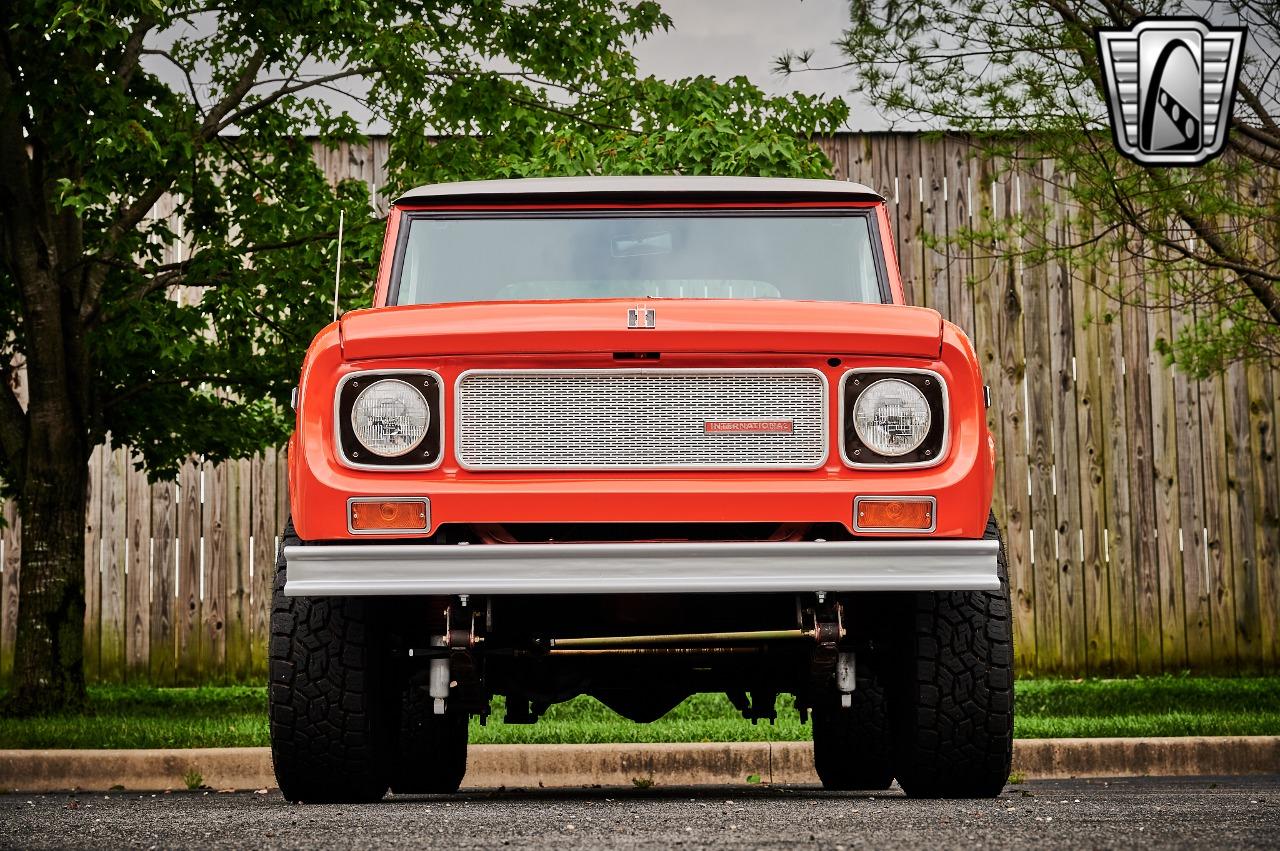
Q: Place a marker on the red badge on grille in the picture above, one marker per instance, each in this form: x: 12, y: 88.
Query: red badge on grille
x: 748, y: 427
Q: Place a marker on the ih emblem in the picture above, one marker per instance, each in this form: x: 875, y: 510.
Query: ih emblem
x: 642, y: 317
x: 1170, y: 86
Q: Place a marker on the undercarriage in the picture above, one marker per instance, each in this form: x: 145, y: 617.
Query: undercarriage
x: 374, y: 690
x: 640, y: 655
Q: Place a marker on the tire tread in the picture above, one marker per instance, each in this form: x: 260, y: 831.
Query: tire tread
x: 953, y: 714
x: 325, y: 706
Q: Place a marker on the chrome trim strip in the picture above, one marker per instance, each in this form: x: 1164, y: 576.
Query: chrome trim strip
x: 642, y: 568
x: 933, y: 514
x: 393, y: 533
x: 457, y: 418
x: 913, y: 465
x: 388, y: 468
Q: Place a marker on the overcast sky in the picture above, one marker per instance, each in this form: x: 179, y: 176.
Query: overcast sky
x: 729, y: 38
x: 725, y: 38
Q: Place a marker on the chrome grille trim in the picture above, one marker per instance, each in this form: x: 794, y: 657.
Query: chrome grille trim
x: 638, y: 419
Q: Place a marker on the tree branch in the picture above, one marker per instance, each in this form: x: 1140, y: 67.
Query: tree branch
x: 175, y: 274
x: 284, y: 91
x: 186, y: 73
x: 132, y: 50
x: 233, y: 96
x: 129, y: 217
x: 1243, y: 142
x: 1257, y: 284
x: 1272, y: 135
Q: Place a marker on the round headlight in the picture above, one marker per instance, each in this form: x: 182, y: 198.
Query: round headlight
x: 390, y: 417
x: 892, y: 417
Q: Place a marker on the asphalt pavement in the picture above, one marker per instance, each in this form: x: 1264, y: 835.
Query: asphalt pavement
x: 1226, y: 812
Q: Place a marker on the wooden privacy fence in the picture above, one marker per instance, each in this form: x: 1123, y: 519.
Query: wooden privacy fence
x: 177, y: 574
x: 1141, y: 508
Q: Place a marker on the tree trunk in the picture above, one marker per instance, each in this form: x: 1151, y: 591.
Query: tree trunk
x: 48, y: 670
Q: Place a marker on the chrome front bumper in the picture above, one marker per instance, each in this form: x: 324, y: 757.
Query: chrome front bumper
x: 641, y: 568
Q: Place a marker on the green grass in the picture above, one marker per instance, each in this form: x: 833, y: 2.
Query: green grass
x: 125, y: 717
x: 132, y: 717
x: 1153, y: 706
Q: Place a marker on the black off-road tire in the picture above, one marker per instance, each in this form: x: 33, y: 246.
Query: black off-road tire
x: 852, y: 747
x: 330, y: 702
x: 951, y: 691
x: 431, y: 754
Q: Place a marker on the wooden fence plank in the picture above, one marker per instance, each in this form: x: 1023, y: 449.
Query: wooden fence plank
x: 1263, y: 387
x: 190, y: 552
x: 1041, y: 392
x: 1013, y: 413
x: 1266, y: 438
x: 1266, y: 471
x: 264, y: 556
x: 1091, y: 429
x: 137, y: 600
x: 838, y: 152
x: 1218, y: 523
x: 858, y: 159
x: 93, y: 567
x: 884, y: 167
x: 986, y: 284
x: 907, y: 154
x: 1164, y: 471
x: 1143, y: 520
x: 282, y: 489
x: 1065, y: 406
x: 164, y: 528
x: 213, y: 638
x: 1242, y: 502
x: 114, y: 551
x: 1119, y: 553
x: 1191, y: 515
x: 11, y: 541
x: 933, y: 227
x: 1275, y: 433
x: 957, y: 186
x: 239, y: 618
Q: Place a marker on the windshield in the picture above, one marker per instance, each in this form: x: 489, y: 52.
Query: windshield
x: 801, y: 256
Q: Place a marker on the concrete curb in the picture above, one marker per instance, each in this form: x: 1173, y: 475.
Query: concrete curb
x: 516, y: 766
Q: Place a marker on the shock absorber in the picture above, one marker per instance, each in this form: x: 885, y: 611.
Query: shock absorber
x: 846, y: 677
x: 438, y: 681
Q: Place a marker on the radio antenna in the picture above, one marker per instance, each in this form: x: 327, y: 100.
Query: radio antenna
x: 337, y: 272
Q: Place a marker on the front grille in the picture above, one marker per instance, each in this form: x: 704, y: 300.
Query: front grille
x: 641, y: 419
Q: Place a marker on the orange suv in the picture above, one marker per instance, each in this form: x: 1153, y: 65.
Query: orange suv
x: 640, y: 438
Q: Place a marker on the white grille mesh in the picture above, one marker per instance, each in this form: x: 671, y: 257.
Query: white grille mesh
x: 628, y: 420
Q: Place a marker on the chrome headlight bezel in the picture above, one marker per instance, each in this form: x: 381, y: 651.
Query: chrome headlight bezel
x: 932, y: 450
x: 427, y: 454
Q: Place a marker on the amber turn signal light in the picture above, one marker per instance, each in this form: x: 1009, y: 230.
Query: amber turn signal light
x: 875, y: 514
x: 391, y: 515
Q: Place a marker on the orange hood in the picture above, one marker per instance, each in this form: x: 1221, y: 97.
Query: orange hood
x: 681, y: 325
